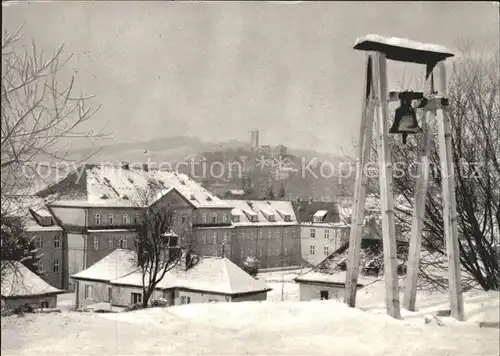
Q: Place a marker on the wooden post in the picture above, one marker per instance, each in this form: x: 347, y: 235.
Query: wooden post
x: 421, y: 185
x: 449, y: 204
x: 386, y: 189
x: 356, y: 231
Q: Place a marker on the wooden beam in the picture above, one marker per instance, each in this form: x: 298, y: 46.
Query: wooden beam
x: 386, y: 189
x: 449, y: 204
x: 421, y: 185
x: 357, y: 220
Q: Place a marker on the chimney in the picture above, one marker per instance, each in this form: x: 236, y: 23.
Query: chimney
x: 125, y: 165
x: 145, y: 167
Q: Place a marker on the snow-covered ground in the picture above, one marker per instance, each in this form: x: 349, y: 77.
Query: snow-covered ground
x: 261, y: 328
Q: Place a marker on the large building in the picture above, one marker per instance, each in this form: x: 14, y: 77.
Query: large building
x: 321, y: 230
x: 99, y: 209
x: 267, y: 230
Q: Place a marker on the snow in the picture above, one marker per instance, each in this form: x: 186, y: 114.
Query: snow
x: 262, y: 209
x: 18, y: 280
x: 256, y: 328
x: 115, y: 265
x: 403, y: 42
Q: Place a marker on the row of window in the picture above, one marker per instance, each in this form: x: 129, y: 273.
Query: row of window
x: 56, y: 241
x: 270, y: 252
x: 214, y: 218
x: 122, y: 242
x: 111, y: 219
x: 327, y: 235
x: 326, y: 250
x: 55, y: 266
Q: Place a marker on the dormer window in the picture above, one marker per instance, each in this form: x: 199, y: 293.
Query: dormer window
x: 205, y: 218
x: 125, y: 219
x: 110, y: 218
x: 97, y: 219
x: 224, y: 217
x: 214, y: 217
x: 236, y: 218
x: 319, y: 216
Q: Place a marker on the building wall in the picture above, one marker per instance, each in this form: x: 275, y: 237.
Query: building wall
x: 272, y: 245
x: 254, y: 297
x: 113, y: 217
x: 212, y: 216
x: 198, y: 297
x: 75, y: 254
x: 14, y: 303
x: 209, y: 241
x: 100, y: 293
x: 323, y: 243
x: 72, y: 217
x: 122, y: 295
x: 311, y: 291
x: 50, y: 249
x: 100, y: 244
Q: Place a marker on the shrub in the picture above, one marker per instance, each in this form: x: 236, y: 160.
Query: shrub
x: 251, y: 266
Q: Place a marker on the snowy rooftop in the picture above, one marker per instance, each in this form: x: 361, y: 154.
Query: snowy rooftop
x: 118, y: 263
x: 334, y: 278
x: 19, y: 281
x: 281, y: 210
x: 210, y: 274
x: 108, y: 185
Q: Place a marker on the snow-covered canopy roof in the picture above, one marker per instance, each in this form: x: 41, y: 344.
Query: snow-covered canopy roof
x: 18, y: 281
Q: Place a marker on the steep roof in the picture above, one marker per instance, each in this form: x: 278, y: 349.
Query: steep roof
x: 126, y: 186
x: 282, y: 212
x: 18, y: 281
x: 209, y: 274
x: 116, y: 264
x: 31, y: 210
x: 305, y: 210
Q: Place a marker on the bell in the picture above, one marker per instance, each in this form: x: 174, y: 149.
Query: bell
x: 405, y: 120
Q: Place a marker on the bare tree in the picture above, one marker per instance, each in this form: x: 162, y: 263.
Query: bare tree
x: 39, y: 117
x: 40, y: 114
x: 159, y: 248
x: 475, y: 115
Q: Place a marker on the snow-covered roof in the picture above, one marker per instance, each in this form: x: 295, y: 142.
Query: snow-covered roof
x: 280, y: 210
x: 109, y: 185
x: 334, y: 278
x: 237, y: 191
x: 209, y: 274
x: 18, y: 281
x: 115, y: 265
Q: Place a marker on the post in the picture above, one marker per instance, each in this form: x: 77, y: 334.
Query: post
x: 449, y: 204
x: 356, y: 228
x: 386, y: 190
x: 421, y: 185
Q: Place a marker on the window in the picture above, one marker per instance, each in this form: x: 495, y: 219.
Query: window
x: 96, y: 243
x: 327, y: 234
x: 57, y: 241
x: 137, y: 218
x: 89, y: 292
x: 269, y: 252
x: 44, y: 305
x: 204, y: 237
x: 110, y: 218
x: 278, y: 234
x: 40, y: 241
x: 185, y: 300
x: 311, y: 250
x: 224, y: 218
x: 136, y: 298
x: 214, y: 238
x: 261, y: 234
x: 325, y: 250
x: 286, y: 251
x: 110, y: 243
x: 125, y: 219
x: 277, y: 252
x: 225, y: 236
x: 55, y: 266
x: 97, y: 219
x: 214, y: 217
x: 323, y: 295
x: 270, y: 236
x: 183, y: 219
x: 242, y: 253
x: 313, y: 233
x: 285, y: 232
x: 123, y: 242
x: 242, y: 235
x: 205, y: 218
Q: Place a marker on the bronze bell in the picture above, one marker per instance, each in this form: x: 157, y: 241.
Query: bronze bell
x: 405, y: 120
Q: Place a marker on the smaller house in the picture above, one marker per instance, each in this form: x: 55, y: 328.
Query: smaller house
x: 199, y: 279
x: 20, y: 286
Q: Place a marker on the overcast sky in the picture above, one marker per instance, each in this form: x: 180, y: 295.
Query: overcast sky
x: 216, y: 70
